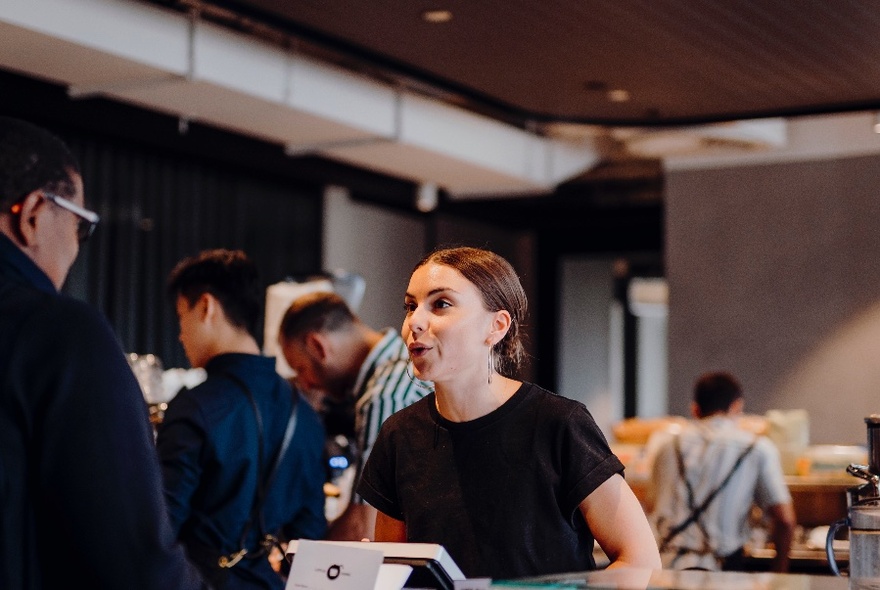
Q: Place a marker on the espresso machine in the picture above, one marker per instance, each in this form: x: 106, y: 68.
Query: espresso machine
x: 863, y: 514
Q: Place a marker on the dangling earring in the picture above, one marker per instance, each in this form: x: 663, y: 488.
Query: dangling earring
x: 490, y: 366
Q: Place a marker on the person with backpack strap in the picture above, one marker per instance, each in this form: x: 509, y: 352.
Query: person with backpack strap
x: 242, y: 453
x: 706, y: 479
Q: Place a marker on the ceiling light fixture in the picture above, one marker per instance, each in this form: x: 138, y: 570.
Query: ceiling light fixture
x: 618, y: 95
x: 437, y: 16
x: 427, y: 197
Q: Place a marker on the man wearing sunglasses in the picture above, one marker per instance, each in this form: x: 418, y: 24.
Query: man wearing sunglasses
x: 80, y: 486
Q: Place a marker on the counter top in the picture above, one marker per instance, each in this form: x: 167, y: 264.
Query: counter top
x: 802, y: 560
x: 820, y: 499
x: 823, y: 481
x: 641, y: 579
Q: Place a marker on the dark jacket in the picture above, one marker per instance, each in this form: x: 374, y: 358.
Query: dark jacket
x: 80, y: 486
x: 209, y: 449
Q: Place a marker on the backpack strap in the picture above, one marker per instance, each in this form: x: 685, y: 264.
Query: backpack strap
x: 264, y: 481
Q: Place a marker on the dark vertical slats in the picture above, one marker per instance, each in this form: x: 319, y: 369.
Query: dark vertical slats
x: 157, y: 208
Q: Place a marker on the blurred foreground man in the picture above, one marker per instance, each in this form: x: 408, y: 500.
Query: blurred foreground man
x: 707, y: 478
x: 80, y: 486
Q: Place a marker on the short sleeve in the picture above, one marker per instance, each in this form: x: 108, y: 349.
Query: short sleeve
x: 378, y: 483
x: 771, y: 488
x: 586, y: 456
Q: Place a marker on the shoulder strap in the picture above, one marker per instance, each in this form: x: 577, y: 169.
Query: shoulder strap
x: 285, y: 442
x: 264, y: 481
x: 697, y: 511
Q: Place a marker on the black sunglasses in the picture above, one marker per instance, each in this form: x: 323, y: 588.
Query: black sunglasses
x: 88, y: 220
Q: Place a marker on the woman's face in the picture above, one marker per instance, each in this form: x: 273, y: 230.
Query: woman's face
x: 447, y: 328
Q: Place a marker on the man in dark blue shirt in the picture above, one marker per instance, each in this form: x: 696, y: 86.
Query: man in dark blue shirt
x: 80, y: 486
x: 229, y: 493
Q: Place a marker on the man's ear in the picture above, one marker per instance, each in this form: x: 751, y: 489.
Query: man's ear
x: 317, y: 345
x: 207, y: 306
x: 26, y: 217
x: 737, y: 406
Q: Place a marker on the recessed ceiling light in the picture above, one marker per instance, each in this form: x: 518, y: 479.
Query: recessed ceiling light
x: 437, y: 16
x: 618, y: 95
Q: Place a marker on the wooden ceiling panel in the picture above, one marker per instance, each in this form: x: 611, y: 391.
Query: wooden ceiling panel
x: 555, y: 61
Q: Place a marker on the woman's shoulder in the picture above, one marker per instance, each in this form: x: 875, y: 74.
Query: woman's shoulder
x: 553, y: 408
x: 419, y: 410
x: 550, y: 401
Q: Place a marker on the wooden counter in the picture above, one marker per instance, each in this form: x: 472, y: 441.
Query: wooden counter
x: 802, y: 560
x: 820, y: 499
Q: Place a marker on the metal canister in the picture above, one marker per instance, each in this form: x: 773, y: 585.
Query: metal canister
x: 873, y: 423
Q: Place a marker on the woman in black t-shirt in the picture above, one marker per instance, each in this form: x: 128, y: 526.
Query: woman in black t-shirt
x: 511, y: 479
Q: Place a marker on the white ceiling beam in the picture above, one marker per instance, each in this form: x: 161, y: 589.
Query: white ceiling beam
x: 164, y: 61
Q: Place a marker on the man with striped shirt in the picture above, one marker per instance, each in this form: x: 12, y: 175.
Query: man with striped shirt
x: 333, y: 351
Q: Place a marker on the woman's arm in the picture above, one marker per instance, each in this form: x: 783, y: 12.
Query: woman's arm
x: 620, y: 526
x: 389, y: 529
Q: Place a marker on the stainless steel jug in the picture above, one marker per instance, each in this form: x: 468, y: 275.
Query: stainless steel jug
x: 863, y: 521
x: 863, y: 518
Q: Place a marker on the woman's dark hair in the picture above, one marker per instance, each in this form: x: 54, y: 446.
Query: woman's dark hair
x: 31, y: 158
x: 228, y: 275
x: 500, y: 288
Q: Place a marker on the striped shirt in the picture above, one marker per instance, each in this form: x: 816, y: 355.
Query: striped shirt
x: 383, y: 387
x: 709, y: 449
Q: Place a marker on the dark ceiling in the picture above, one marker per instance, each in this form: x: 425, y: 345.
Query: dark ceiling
x: 540, y: 61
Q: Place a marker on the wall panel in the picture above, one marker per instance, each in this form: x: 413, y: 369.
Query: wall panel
x: 774, y: 274
x: 157, y: 207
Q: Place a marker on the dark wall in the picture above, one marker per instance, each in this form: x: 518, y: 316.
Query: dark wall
x: 163, y: 195
x: 166, y: 190
x: 157, y: 208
